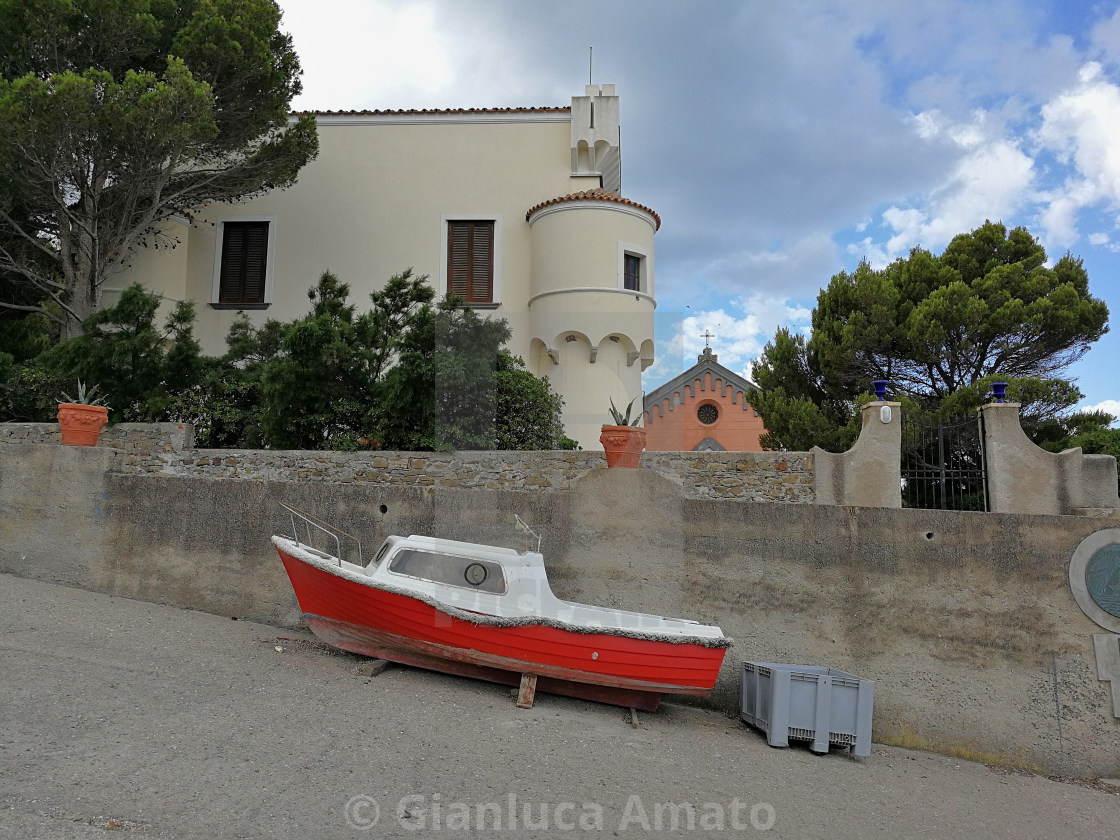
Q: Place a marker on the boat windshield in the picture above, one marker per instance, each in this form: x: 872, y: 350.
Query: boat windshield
x: 451, y: 569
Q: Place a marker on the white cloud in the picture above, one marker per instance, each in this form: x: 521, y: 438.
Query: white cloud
x: 875, y: 254
x: 1106, y: 38
x: 739, y: 333
x: 1080, y: 127
x: 1059, y: 219
x: 367, y: 53
x: 991, y: 179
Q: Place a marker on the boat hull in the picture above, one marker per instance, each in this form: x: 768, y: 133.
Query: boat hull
x: 619, y: 669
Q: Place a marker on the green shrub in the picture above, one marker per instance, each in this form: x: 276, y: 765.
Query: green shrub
x: 30, y: 394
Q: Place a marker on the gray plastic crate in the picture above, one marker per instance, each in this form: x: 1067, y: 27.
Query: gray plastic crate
x: 808, y: 703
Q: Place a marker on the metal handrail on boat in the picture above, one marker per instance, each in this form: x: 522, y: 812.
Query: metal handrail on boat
x: 524, y: 526
x: 331, y: 531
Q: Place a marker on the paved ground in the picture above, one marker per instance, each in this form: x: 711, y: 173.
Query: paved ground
x: 118, y: 715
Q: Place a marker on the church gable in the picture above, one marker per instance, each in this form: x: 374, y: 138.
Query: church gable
x: 703, y: 408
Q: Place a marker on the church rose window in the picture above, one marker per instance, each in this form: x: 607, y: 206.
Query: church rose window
x: 707, y: 414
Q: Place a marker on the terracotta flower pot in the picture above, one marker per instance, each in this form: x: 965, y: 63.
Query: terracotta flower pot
x: 623, y: 445
x: 81, y: 424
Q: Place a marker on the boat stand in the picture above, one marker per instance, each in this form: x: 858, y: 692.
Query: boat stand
x: 371, y: 667
x: 528, y: 691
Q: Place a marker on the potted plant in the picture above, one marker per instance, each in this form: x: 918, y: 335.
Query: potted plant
x: 623, y: 442
x: 82, y: 419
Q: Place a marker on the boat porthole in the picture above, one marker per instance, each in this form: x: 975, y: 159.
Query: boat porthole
x: 475, y: 574
x: 595, y: 655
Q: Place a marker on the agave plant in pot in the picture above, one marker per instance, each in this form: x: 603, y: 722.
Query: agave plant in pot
x: 623, y: 442
x: 82, y: 419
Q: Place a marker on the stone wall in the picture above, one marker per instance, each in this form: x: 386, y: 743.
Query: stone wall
x: 128, y: 437
x: 164, y: 449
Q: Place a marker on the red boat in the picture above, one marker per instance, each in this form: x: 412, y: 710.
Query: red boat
x: 488, y: 612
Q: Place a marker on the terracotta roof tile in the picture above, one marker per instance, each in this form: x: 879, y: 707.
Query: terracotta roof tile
x: 367, y: 113
x: 593, y: 195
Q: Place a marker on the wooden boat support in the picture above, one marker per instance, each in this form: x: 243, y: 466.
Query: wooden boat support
x: 527, y: 692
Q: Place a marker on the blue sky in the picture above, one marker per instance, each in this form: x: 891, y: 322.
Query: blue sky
x: 783, y: 142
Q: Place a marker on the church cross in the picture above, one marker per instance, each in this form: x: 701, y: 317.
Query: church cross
x: 707, y: 336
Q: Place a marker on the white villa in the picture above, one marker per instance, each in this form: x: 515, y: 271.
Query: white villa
x: 518, y: 210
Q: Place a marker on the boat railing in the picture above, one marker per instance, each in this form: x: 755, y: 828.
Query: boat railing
x: 523, y: 526
x: 325, y: 529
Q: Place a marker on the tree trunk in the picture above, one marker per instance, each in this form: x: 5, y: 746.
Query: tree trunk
x: 78, y: 248
x: 84, y: 291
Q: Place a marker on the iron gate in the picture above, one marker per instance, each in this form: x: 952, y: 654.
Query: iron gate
x: 943, y: 463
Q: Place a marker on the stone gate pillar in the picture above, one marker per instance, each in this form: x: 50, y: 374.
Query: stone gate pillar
x: 870, y: 473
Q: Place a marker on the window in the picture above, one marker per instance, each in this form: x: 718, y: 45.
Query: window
x: 634, y: 269
x: 470, y: 260
x: 707, y: 414
x: 244, y: 263
x: 467, y: 572
x: 632, y: 272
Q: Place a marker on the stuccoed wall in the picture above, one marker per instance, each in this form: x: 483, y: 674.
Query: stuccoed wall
x: 869, y: 474
x: 962, y: 618
x: 1023, y: 477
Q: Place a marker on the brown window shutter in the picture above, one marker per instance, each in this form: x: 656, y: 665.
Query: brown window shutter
x: 233, y: 249
x: 482, y: 263
x: 470, y: 260
x: 458, y: 262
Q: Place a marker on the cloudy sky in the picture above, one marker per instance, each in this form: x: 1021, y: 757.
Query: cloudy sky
x: 781, y: 142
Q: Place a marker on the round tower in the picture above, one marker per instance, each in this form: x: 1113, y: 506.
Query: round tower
x: 591, y: 291
x: 591, y: 304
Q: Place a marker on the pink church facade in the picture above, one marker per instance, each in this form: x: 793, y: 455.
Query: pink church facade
x: 705, y: 408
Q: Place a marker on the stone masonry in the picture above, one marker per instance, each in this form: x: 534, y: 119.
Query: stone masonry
x: 165, y: 449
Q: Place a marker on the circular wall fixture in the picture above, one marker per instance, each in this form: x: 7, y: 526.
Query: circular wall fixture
x: 1094, y: 577
x: 707, y: 414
